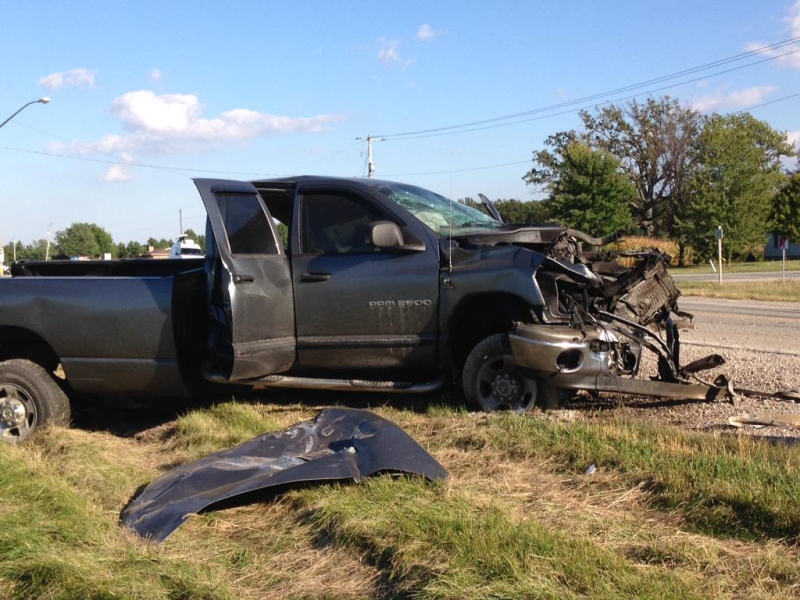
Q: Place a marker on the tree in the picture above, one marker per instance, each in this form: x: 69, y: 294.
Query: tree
x: 78, y: 240
x: 652, y: 140
x: 514, y: 211
x: 590, y: 193
x: 738, y: 175
x: 517, y: 211
x: 130, y: 250
x: 159, y: 244
x: 784, y: 218
x: 105, y: 243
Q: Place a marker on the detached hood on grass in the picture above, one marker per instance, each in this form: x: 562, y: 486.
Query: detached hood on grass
x: 337, y: 444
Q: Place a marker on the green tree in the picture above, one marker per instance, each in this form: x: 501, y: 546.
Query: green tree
x: 159, y: 244
x: 784, y: 218
x: 105, y: 243
x: 78, y: 240
x: 653, y: 141
x: 590, y: 193
x: 739, y: 173
x: 130, y: 250
x: 517, y: 211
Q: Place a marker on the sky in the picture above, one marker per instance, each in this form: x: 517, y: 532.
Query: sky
x: 146, y: 95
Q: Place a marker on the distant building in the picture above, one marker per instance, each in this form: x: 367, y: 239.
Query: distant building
x: 772, y: 251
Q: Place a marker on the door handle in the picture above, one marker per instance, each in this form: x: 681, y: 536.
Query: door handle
x: 314, y: 277
x: 243, y: 279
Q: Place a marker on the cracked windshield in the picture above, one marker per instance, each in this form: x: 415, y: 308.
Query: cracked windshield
x: 437, y: 212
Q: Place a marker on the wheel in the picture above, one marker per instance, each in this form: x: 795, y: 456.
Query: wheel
x: 492, y: 381
x: 29, y: 399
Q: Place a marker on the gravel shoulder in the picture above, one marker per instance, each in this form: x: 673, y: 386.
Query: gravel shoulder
x: 761, y: 353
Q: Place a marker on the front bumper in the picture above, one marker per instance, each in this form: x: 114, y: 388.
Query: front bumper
x: 593, y: 359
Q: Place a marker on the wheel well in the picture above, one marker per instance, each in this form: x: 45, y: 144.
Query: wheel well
x: 478, y: 317
x: 16, y: 342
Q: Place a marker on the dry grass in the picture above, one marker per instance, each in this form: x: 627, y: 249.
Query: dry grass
x: 643, y: 244
x: 384, y: 538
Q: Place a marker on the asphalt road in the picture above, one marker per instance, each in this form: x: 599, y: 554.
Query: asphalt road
x: 772, y: 327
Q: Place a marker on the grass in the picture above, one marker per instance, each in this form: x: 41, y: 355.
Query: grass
x: 770, y: 291
x: 768, y: 266
x: 667, y: 514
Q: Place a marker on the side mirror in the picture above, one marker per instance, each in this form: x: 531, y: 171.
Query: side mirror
x: 387, y: 234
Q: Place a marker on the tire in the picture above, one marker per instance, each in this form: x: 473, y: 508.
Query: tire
x: 30, y: 399
x: 492, y: 382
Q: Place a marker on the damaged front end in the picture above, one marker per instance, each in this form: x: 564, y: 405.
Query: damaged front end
x: 598, y: 317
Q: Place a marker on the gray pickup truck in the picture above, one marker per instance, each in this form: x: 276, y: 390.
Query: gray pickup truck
x: 380, y: 286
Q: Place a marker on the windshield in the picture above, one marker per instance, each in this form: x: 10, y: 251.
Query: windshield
x: 437, y: 212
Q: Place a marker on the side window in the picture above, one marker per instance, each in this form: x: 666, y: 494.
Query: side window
x: 337, y: 223
x: 246, y: 224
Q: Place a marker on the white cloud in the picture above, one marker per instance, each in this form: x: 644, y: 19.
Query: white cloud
x: 156, y: 75
x: 426, y: 32
x: 732, y: 100
x: 175, y: 122
x: 794, y: 138
x: 791, y: 58
x: 72, y: 78
x: 115, y: 174
x: 390, y: 56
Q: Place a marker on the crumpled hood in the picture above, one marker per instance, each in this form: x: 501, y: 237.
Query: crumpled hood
x: 338, y: 444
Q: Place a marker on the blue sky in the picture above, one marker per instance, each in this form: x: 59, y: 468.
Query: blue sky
x: 146, y: 95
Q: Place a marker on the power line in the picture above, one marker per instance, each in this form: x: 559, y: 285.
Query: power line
x: 509, y: 164
x: 474, y: 124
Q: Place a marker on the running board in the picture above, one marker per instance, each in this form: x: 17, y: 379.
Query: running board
x: 339, y: 385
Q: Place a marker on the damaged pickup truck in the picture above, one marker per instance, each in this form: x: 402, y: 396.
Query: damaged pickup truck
x: 379, y: 286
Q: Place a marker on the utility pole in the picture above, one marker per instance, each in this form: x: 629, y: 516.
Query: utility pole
x: 47, y: 251
x: 370, y: 163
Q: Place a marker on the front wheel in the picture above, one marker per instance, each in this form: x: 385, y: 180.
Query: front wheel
x: 492, y: 381
x: 29, y: 399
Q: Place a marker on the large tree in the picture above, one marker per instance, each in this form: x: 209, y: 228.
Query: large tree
x: 77, y: 240
x: 652, y: 140
x: 590, y: 193
x: 738, y: 175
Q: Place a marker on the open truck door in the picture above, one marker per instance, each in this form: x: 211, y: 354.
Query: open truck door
x: 249, y: 284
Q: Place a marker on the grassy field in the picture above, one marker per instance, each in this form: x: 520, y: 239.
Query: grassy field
x: 743, y: 290
x: 667, y: 514
x: 766, y: 266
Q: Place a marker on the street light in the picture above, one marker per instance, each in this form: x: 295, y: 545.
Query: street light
x: 42, y: 100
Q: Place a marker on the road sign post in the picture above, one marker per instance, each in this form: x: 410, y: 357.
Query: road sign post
x: 718, y: 234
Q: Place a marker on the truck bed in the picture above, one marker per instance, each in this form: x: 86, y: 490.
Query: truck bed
x: 135, y: 267
x: 116, y: 327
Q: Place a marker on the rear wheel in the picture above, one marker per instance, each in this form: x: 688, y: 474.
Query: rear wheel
x: 492, y: 381
x: 29, y: 399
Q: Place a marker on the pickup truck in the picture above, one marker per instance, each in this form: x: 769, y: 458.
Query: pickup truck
x: 378, y: 286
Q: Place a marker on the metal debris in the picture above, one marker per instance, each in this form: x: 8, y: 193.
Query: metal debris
x: 338, y: 444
